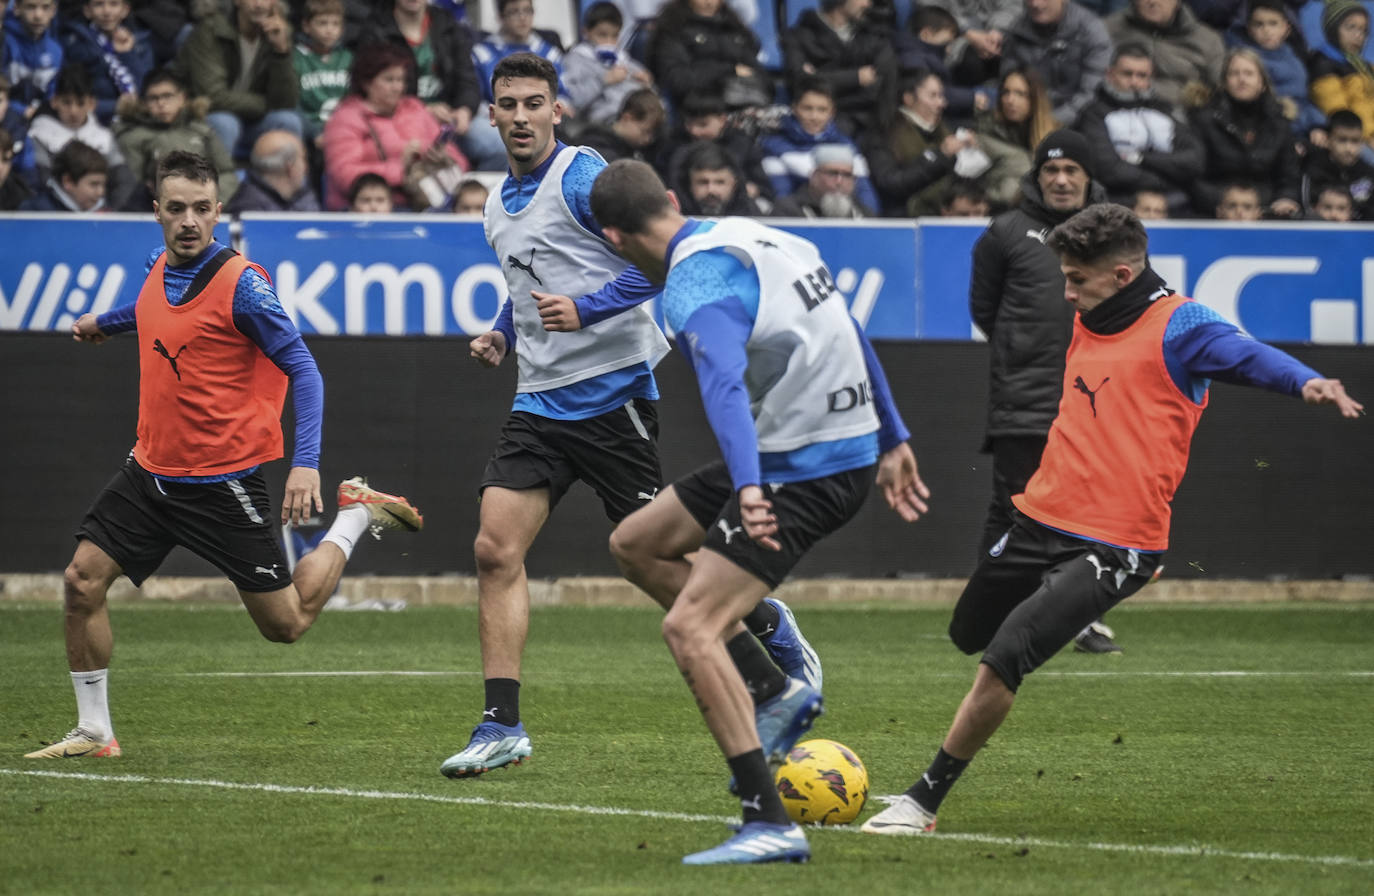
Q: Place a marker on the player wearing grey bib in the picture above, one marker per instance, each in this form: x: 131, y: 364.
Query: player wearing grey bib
x: 802, y: 412
x: 584, y: 398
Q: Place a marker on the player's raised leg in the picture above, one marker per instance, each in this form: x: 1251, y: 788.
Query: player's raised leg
x: 509, y: 521
x: 284, y: 615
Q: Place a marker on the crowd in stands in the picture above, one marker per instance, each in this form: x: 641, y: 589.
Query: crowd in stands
x: 1228, y: 109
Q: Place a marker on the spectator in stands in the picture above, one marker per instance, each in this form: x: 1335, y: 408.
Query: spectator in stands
x: 76, y: 183
x: 705, y: 117
x: 597, y: 73
x: 242, y: 62
x: 166, y: 120
x: 516, y: 34
x: 1150, y: 205
x: 442, y: 73
x: 1240, y: 201
x: 1185, y: 50
x: 829, y: 190
x: 1137, y: 142
x: 321, y: 64
x: 1009, y: 132
x: 16, y: 123
x: 1266, y: 30
x: 714, y: 187
x: 1245, y: 136
x: 167, y: 23
x: 964, y: 199
x: 1067, y: 45
x: 787, y: 152
x: 1334, y: 203
x: 471, y: 198
x: 634, y: 130
x: 278, y: 177
x: 115, y: 52
x: 925, y: 42
x: 703, y: 45
x: 1342, y: 78
x: 975, y: 56
x: 379, y: 127
x: 837, y: 43
x: 370, y: 194
x: 1340, y: 163
x: 71, y: 116
x: 14, y: 189
x: 914, y: 160
x: 31, y: 54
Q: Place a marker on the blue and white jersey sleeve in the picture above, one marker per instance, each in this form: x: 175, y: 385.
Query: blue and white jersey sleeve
x: 711, y: 299
x: 258, y: 314
x: 1200, y: 345
x: 631, y: 288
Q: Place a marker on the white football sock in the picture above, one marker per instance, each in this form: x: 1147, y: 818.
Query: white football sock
x: 93, y: 702
x: 349, y: 526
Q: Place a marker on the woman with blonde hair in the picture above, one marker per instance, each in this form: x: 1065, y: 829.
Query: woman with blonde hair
x: 1009, y: 132
x: 1245, y: 136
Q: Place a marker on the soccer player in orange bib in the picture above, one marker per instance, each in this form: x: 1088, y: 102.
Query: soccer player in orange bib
x: 1093, y: 523
x: 216, y: 354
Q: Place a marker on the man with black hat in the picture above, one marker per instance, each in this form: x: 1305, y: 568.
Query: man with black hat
x: 1016, y: 299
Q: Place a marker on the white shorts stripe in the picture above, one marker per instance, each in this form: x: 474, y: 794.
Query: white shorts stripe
x: 242, y: 494
x: 634, y: 418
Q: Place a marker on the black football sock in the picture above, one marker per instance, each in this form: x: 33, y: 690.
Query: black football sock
x: 503, y: 701
x: 761, y: 675
x: 763, y: 620
x: 935, y: 784
x: 758, y: 795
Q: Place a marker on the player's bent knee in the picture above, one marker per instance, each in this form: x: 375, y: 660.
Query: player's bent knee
x: 282, y: 631
x: 81, y: 591
x: 494, y: 555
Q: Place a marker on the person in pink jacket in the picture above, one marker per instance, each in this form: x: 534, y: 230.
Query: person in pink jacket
x: 378, y: 128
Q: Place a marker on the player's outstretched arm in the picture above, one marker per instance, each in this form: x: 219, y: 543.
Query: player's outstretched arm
x: 557, y: 313
x: 1323, y: 391
x: 489, y: 348
x: 85, y: 330
x: 302, y: 495
x: 901, y: 483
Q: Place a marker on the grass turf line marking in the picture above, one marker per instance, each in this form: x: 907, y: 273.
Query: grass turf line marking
x: 315, y: 674
x: 1200, y: 851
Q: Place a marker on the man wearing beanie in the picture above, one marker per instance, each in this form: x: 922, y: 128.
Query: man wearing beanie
x: 1016, y: 299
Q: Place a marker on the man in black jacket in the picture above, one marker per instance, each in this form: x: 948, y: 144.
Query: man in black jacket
x: 1016, y: 298
x: 1135, y: 136
x: 838, y: 43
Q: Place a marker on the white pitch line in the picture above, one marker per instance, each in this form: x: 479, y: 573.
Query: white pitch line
x: 1204, y: 673
x: 343, y: 674
x: 1196, y: 851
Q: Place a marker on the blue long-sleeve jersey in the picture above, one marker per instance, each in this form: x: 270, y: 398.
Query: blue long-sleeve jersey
x: 712, y: 300
x: 259, y: 315
x: 597, y: 395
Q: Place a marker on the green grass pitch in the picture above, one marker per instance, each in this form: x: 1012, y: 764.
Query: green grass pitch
x: 1229, y: 750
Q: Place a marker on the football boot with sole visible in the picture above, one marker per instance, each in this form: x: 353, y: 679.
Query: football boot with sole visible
x: 386, y: 511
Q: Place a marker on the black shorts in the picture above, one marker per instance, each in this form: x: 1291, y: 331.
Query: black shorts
x: 1037, y: 588
x: 139, y: 518
x: 615, y: 453
x: 806, y: 511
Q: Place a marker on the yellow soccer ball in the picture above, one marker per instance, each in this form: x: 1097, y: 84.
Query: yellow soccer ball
x: 822, y: 782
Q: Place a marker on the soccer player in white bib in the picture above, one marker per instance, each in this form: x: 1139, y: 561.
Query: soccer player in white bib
x: 803, y: 414
x: 584, y: 404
